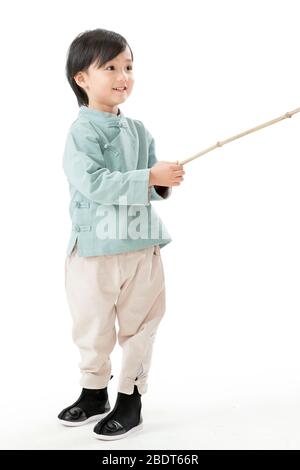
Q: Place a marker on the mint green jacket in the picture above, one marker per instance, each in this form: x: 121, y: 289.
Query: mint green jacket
x: 107, y: 160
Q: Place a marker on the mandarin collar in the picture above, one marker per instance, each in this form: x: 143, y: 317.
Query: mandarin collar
x: 104, y: 117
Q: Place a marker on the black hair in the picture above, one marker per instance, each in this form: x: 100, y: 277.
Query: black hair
x: 97, y: 45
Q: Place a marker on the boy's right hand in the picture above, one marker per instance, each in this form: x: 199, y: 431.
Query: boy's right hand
x: 166, y: 174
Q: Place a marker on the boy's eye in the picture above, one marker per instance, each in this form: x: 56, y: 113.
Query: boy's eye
x: 110, y: 66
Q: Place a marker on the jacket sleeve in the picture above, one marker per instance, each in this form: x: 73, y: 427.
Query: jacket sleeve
x: 84, y: 167
x: 156, y: 193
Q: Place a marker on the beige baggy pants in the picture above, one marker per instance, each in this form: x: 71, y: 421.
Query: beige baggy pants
x: 130, y: 286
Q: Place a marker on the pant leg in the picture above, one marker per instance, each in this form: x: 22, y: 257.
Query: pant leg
x: 139, y: 308
x: 92, y: 287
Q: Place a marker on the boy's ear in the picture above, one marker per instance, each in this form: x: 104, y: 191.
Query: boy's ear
x: 80, y: 79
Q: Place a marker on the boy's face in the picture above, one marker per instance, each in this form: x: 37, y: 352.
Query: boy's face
x: 99, y: 83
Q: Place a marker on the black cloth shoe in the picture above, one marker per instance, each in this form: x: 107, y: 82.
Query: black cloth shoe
x: 93, y: 404
x: 123, y: 420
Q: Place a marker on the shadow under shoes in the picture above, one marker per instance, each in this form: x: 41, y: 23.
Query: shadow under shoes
x: 93, y: 404
x: 123, y: 420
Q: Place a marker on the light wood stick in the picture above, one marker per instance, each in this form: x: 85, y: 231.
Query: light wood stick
x: 230, y: 139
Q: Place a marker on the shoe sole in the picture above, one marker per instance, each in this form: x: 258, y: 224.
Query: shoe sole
x: 80, y: 423
x: 104, y: 437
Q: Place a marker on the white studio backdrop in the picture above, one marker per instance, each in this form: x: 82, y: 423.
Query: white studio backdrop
x: 225, y: 372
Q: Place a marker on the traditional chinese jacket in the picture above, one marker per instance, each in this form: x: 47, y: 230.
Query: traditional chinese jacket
x: 107, y: 160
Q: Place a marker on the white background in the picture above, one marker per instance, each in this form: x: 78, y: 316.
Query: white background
x: 225, y: 371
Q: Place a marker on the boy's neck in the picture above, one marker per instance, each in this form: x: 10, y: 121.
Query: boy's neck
x: 106, y: 109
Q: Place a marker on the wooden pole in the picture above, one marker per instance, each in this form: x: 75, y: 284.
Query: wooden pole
x: 230, y: 139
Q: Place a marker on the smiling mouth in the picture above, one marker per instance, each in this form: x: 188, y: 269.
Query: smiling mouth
x: 120, y: 90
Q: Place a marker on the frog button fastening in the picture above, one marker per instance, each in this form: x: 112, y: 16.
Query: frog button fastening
x: 111, y: 149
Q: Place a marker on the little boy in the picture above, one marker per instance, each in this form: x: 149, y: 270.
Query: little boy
x: 113, y: 266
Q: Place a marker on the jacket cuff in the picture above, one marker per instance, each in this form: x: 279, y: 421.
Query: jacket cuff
x: 138, y: 188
